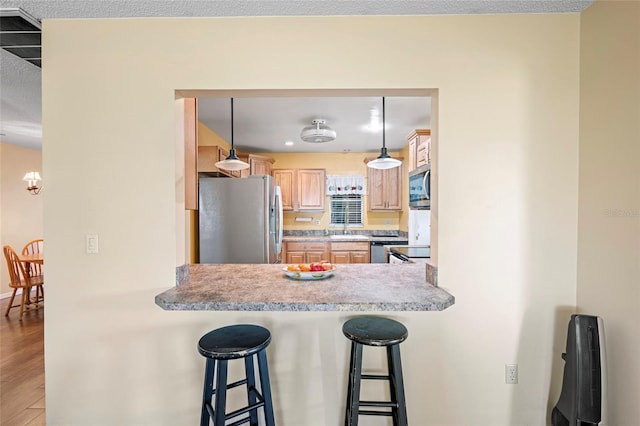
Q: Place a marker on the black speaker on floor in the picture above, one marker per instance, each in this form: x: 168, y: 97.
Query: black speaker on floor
x: 580, y: 402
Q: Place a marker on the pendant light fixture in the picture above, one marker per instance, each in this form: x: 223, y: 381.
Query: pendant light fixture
x: 384, y: 161
x: 232, y: 162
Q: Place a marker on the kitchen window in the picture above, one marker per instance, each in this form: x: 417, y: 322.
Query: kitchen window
x: 346, y: 194
x: 346, y: 210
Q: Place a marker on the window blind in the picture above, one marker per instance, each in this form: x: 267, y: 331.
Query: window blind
x: 346, y: 209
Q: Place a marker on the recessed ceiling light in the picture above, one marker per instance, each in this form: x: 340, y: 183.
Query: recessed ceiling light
x: 288, y: 143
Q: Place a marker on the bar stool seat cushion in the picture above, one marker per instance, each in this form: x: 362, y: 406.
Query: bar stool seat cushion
x: 234, y: 341
x: 375, y: 331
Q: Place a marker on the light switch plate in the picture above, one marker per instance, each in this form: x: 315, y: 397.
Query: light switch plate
x: 92, y: 244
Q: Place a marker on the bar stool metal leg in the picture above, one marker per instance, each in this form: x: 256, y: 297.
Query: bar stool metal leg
x: 353, y: 392
x: 207, y: 393
x: 220, y: 392
x: 265, y: 387
x: 392, y: 385
x: 251, y: 389
x: 396, y: 385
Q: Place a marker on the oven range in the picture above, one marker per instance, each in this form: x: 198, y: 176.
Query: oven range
x: 409, y: 254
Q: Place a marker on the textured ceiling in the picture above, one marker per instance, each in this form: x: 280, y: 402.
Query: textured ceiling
x: 20, y: 107
x: 42, y: 9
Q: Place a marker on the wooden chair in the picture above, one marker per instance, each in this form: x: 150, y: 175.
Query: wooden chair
x: 35, y: 269
x: 20, y: 279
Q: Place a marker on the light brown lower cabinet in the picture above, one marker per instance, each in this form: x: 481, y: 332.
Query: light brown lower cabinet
x: 305, y: 252
x: 295, y: 252
x: 350, y: 252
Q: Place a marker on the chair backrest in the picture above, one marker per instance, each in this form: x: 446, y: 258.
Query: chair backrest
x: 17, y: 273
x: 34, y: 246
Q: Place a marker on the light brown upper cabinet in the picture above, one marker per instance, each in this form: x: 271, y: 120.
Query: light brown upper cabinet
x: 285, y: 179
x: 311, y: 189
x: 385, y: 188
x: 259, y: 165
x: 302, y: 189
x: 419, y: 148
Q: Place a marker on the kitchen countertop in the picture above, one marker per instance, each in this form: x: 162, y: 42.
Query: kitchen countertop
x: 340, y: 237
x: 264, y: 287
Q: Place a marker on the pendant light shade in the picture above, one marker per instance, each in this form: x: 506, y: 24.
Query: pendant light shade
x: 384, y: 161
x: 232, y: 162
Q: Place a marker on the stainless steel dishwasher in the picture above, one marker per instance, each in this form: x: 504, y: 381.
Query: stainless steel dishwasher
x: 378, y: 254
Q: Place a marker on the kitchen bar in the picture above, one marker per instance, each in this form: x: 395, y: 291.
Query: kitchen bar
x: 264, y: 287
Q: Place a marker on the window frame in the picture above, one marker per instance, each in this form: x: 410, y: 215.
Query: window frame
x: 355, y: 219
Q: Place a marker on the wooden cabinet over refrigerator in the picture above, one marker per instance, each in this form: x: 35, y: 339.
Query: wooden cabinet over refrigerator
x: 419, y: 148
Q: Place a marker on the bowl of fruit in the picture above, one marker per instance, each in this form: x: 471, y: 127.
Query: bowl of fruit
x: 309, y: 271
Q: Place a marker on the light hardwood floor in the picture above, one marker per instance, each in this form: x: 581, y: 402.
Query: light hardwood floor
x: 21, y: 368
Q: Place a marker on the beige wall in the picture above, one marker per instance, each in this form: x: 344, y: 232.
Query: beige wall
x: 609, y: 198
x: 507, y: 207
x: 20, y: 212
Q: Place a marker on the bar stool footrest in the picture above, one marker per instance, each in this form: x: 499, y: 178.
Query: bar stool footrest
x: 244, y: 410
x: 240, y: 422
x: 389, y: 404
x: 375, y: 413
x: 375, y: 377
x: 240, y: 411
x: 236, y: 384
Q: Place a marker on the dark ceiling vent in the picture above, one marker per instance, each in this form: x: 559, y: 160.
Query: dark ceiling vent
x: 21, y: 35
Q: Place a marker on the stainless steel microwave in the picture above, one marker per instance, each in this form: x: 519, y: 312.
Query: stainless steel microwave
x: 420, y: 188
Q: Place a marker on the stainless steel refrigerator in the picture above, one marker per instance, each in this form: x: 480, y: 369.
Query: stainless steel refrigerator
x: 239, y: 220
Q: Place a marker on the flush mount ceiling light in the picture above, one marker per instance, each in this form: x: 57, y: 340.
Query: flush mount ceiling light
x: 384, y: 161
x: 232, y: 162
x: 318, y: 132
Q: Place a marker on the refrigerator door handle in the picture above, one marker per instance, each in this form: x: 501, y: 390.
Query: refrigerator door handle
x: 279, y: 230
x: 426, y: 184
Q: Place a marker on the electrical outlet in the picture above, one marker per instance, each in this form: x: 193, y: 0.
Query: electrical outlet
x: 511, y: 374
x: 318, y: 222
x: 91, y: 244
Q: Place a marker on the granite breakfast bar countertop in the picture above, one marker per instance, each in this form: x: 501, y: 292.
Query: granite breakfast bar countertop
x: 343, y: 238
x: 264, y: 287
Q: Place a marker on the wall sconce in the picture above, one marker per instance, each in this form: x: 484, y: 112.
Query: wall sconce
x: 33, y: 178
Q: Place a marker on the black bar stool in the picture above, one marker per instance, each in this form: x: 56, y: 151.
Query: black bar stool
x: 233, y: 342
x: 375, y: 331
